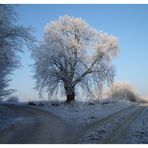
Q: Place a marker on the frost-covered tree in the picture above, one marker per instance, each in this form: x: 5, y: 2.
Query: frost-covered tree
x: 12, y: 38
x: 73, y: 56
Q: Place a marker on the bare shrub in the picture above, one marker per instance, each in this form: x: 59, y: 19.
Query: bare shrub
x: 123, y: 90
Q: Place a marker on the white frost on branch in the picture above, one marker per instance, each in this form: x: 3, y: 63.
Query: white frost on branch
x: 73, y: 55
x: 12, y: 39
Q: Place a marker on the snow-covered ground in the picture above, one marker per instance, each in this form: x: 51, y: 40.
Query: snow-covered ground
x: 6, y: 116
x: 79, y: 114
x: 138, y: 131
x: 9, y: 117
x: 98, y: 135
x: 76, y: 114
x: 5, y: 113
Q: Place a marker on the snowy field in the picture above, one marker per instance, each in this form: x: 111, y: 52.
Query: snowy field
x: 80, y: 114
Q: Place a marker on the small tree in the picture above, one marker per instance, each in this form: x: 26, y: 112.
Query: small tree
x: 12, y: 38
x: 73, y: 55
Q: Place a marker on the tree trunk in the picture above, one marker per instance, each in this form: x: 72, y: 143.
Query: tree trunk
x: 70, y: 93
x: 70, y: 97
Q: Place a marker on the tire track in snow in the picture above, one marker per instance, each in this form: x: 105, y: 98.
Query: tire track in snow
x: 120, y: 130
x: 133, y: 109
x: 93, y: 126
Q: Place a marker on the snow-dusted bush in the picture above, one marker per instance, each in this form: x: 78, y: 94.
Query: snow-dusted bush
x: 13, y: 99
x: 123, y: 90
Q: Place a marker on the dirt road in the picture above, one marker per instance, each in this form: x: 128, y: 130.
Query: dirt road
x: 35, y: 126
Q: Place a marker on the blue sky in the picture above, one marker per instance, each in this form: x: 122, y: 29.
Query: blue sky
x: 127, y: 22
